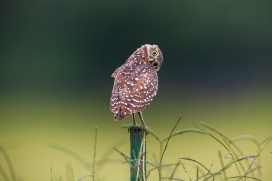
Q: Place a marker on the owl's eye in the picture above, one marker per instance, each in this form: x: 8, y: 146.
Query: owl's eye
x: 154, y: 52
x: 155, y: 64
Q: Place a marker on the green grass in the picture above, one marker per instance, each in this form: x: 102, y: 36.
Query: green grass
x: 246, y: 166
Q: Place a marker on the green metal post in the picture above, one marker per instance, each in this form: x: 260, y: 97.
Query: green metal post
x: 136, y: 167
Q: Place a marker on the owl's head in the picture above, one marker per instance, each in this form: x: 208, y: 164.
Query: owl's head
x: 153, y: 56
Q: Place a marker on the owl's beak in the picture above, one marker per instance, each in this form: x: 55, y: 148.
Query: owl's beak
x: 151, y: 60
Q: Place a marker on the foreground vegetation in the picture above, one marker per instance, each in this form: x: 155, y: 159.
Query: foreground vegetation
x: 247, y: 166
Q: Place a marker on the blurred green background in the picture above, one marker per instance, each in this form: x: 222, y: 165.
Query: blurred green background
x: 56, y: 61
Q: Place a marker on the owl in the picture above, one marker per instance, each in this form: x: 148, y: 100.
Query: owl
x: 136, y: 83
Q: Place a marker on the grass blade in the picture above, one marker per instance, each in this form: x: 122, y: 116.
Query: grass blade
x: 166, y: 145
x: 10, y: 166
x: 94, y: 155
x: 190, y: 159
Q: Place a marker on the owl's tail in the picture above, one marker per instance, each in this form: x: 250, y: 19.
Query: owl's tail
x: 119, y: 115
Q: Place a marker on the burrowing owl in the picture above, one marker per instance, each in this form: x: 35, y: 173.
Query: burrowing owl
x: 136, y: 83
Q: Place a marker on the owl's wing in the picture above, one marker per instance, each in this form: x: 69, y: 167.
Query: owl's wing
x: 116, y: 104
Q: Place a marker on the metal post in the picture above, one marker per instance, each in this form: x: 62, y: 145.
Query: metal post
x: 137, y: 154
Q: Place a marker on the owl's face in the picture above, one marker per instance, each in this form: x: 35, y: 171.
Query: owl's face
x: 153, y: 56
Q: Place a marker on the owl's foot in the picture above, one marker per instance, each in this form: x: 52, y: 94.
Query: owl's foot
x: 133, y: 126
x: 142, y: 127
x: 145, y: 128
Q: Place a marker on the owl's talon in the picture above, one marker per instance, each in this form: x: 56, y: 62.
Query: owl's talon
x: 133, y: 126
x: 145, y: 129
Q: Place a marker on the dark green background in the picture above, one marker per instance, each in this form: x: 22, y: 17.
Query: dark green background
x: 57, y: 57
x: 57, y: 44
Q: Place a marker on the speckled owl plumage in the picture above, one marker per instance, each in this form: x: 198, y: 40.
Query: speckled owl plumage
x: 136, y: 82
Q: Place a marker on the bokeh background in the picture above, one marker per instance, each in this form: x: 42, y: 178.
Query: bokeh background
x: 56, y: 61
